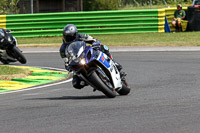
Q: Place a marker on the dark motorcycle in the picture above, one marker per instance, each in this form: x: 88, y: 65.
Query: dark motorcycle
x: 9, y: 52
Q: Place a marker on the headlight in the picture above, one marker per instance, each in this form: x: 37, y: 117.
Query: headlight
x: 82, y: 61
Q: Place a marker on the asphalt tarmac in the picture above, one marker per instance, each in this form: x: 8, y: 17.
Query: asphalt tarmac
x: 165, y: 98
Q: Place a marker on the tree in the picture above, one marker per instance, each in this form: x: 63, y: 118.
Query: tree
x: 8, y: 6
x: 155, y: 2
x: 95, y: 5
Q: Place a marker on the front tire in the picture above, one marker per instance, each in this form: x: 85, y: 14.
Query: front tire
x: 18, y: 55
x: 100, y: 85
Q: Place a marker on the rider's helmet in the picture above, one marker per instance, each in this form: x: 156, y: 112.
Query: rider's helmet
x: 69, y: 33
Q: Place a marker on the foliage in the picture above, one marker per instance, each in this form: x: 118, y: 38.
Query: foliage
x: 94, y: 5
x: 154, y: 2
x: 8, y: 6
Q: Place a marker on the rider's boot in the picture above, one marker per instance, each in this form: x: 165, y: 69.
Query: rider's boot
x: 180, y: 29
x: 119, y: 67
x: 77, y: 82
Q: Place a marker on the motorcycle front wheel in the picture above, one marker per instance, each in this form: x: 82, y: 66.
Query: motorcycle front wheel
x: 18, y: 55
x: 101, y: 86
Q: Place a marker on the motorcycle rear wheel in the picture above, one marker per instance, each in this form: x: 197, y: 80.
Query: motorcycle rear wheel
x: 125, y: 90
x: 101, y: 86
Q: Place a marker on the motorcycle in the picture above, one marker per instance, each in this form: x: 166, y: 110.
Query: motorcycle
x: 9, y: 52
x: 96, y: 69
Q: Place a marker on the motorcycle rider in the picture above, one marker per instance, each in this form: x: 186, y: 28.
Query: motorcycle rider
x: 70, y: 34
x: 6, y: 37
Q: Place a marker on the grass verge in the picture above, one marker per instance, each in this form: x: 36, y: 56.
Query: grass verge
x: 8, y: 72
x: 136, y: 39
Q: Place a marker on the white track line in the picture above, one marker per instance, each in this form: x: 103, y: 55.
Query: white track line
x: 38, y: 87
x: 52, y: 68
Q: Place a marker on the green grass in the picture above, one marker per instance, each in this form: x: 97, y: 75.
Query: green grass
x: 140, y: 39
x: 40, y: 40
x: 8, y: 72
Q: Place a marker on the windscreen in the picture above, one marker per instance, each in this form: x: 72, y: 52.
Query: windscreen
x: 75, y: 49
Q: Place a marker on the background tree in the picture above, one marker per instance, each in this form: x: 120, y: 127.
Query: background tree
x: 8, y: 6
x: 154, y: 2
x: 95, y: 5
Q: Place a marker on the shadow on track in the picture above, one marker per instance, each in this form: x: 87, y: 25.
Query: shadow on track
x: 71, y: 98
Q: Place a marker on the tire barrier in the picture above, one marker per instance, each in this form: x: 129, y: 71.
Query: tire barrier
x: 89, y: 22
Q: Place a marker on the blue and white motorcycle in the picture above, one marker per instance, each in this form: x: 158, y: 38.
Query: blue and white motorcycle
x: 95, y: 68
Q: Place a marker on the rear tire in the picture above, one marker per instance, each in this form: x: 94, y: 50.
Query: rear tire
x: 100, y: 85
x: 125, y: 90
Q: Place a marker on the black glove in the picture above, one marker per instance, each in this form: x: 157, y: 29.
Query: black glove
x: 68, y: 68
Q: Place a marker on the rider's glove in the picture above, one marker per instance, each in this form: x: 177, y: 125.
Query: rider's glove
x: 66, y: 61
x: 96, y: 45
x: 68, y: 68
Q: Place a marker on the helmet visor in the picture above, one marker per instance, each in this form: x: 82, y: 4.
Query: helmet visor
x: 69, y: 38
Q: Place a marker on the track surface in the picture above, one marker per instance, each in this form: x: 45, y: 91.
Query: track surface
x: 165, y: 98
